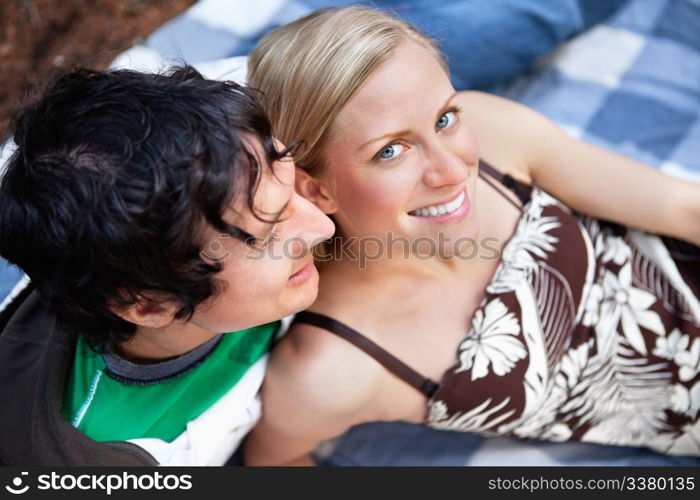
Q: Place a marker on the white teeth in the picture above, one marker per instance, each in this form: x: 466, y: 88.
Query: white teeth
x: 437, y: 210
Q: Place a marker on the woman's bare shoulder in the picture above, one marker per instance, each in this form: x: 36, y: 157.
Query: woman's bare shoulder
x: 315, y: 389
x: 319, y: 366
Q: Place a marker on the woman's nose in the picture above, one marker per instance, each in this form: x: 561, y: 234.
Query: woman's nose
x: 443, y: 167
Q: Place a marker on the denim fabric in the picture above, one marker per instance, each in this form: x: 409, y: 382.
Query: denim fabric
x: 489, y: 41
x: 403, y: 444
x: 486, y: 41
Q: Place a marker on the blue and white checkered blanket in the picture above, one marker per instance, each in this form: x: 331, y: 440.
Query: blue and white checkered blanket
x: 630, y: 83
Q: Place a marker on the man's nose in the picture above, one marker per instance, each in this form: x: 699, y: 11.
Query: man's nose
x: 315, y: 226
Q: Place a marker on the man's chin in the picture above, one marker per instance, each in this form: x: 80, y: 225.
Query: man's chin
x: 304, y: 302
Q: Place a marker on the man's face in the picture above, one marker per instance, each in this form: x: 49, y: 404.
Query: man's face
x: 267, y: 281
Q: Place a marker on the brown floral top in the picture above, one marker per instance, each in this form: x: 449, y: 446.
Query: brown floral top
x: 588, y: 331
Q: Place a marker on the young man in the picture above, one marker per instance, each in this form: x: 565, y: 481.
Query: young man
x: 158, y: 223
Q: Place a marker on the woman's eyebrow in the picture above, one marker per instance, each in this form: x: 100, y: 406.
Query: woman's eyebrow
x: 382, y: 137
x: 403, y: 132
x: 447, y: 103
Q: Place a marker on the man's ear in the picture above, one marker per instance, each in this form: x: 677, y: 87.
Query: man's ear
x: 150, y: 311
x: 315, y: 191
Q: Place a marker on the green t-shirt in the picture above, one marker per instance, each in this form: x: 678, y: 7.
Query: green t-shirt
x: 108, y: 406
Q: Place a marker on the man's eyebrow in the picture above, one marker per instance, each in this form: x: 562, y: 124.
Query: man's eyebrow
x: 402, y: 132
x: 383, y: 137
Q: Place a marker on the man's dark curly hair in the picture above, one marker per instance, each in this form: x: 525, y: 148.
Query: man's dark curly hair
x: 115, y: 175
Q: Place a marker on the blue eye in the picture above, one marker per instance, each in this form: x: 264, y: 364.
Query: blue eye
x: 389, y: 152
x: 446, y: 119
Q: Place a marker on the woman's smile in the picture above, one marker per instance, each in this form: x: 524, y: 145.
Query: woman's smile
x: 454, y: 209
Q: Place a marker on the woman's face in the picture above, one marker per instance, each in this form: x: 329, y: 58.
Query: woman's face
x: 401, y: 161
x: 269, y: 280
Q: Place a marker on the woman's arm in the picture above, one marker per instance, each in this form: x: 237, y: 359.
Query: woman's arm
x: 597, y: 182
x: 610, y: 186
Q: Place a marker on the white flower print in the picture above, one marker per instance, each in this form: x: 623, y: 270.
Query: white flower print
x: 608, y: 247
x: 437, y: 411
x: 492, y: 341
x: 599, y: 245
x: 628, y: 305
x: 682, y: 441
x: 591, y: 313
x: 616, y: 250
x: 531, y: 239
x: 686, y: 401
x: 539, y: 200
x: 544, y: 423
x: 629, y: 425
x: 595, y: 233
x: 667, y: 347
x: 688, y: 361
x: 476, y: 420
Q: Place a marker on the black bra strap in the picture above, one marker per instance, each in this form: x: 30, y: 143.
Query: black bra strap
x: 388, y: 361
x: 521, y: 190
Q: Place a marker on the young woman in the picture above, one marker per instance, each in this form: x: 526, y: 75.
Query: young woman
x: 494, y: 275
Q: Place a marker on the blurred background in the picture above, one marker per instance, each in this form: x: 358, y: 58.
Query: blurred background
x: 39, y: 35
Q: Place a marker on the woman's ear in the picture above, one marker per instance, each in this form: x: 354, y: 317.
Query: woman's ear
x: 315, y: 191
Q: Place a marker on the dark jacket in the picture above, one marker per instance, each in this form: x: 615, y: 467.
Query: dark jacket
x: 35, y: 360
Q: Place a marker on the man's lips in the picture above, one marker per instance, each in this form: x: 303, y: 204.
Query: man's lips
x: 301, y: 272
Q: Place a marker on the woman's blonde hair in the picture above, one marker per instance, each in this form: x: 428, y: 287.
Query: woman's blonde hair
x: 310, y: 68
